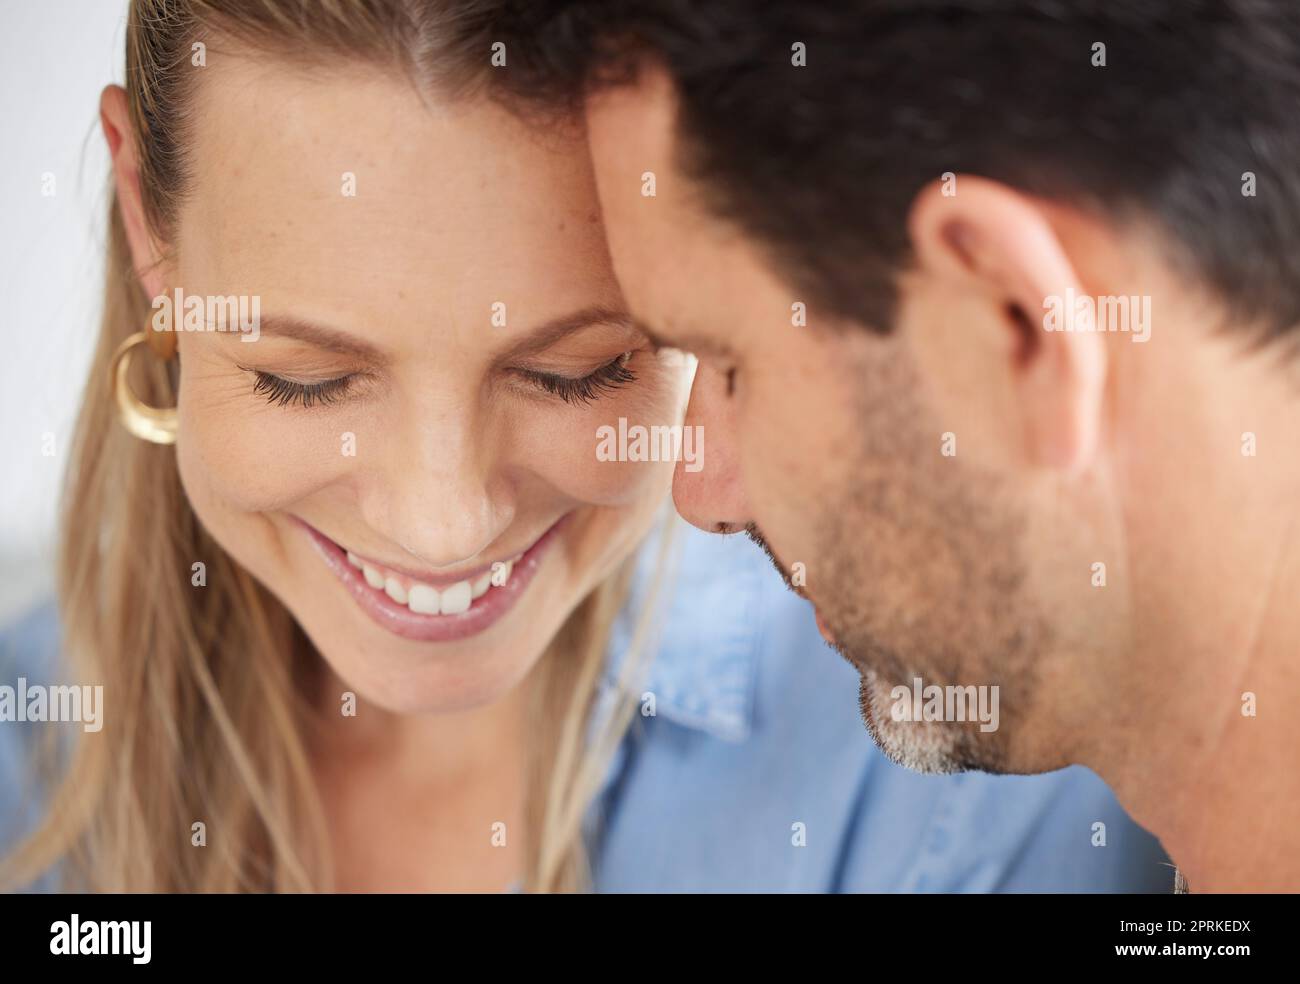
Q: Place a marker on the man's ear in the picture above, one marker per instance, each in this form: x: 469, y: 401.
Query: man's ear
x: 115, y: 119
x: 988, y: 238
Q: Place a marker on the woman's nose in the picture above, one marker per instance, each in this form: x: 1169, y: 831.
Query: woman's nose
x: 712, y: 497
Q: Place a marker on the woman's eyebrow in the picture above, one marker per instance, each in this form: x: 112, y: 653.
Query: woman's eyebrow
x: 538, y: 340
x: 549, y: 332
x: 320, y: 336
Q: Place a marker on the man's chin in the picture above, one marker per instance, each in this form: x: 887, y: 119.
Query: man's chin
x: 922, y: 746
x: 936, y: 747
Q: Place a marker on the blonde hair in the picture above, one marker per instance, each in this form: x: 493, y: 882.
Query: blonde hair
x: 209, y: 688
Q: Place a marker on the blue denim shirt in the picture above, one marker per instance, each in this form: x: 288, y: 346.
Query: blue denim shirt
x: 751, y: 769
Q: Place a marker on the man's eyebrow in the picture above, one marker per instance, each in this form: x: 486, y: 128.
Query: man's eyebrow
x: 694, y: 344
x: 320, y: 336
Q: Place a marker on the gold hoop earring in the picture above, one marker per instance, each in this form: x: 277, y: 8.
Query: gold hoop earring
x: 154, y: 424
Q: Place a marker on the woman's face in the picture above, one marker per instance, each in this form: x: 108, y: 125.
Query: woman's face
x: 439, y: 341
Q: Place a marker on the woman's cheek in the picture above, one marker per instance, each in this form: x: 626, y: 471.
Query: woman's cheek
x: 581, y: 450
x: 237, y: 452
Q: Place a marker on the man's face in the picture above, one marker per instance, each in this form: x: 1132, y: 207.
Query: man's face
x: 827, y: 441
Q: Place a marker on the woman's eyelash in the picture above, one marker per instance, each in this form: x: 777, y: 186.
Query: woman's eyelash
x: 284, y: 392
x: 583, y: 390
x: 586, y: 388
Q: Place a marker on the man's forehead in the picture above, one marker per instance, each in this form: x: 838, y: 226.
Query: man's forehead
x: 630, y: 133
x: 631, y: 129
x: 685, y: 272
x: 642, y: 112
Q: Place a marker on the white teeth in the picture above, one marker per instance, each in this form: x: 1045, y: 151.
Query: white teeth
x: 423, y: 600
x: 457, y: 598
x: 393, y: 588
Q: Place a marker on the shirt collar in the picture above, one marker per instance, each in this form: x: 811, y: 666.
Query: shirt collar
x: 703, y: 633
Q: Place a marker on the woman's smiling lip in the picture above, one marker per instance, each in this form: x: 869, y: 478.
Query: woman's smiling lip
x: 399, y: 619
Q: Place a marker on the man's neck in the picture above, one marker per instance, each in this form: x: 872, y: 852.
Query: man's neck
x: 1215, y: 774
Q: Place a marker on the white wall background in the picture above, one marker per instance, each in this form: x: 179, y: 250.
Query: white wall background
x: 55, y: 57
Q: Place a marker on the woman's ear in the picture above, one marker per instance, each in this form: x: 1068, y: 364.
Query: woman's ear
x: 999, y: 245
x: 115, y: 118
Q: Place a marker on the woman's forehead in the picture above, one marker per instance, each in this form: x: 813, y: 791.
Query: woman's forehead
x: 357, y: 194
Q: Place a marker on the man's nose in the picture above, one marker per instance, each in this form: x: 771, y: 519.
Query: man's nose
x: 713, y: 497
